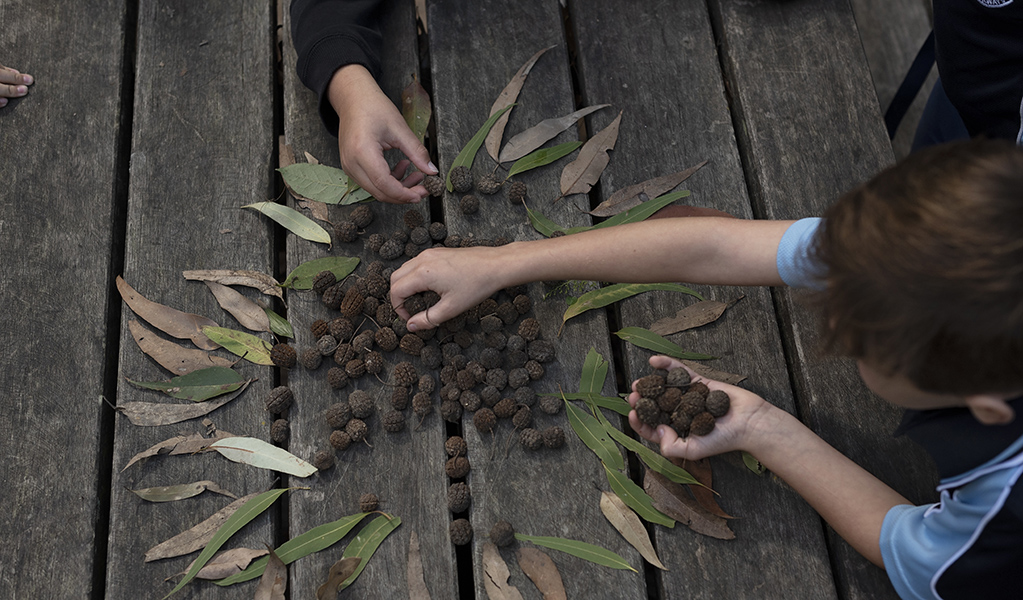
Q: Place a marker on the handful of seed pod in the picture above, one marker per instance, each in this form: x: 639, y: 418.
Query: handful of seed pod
x: 671, y: 398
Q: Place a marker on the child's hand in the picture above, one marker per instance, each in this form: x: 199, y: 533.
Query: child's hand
x: 13, y: 84
x: 462, y: 276
x: 731, y: 432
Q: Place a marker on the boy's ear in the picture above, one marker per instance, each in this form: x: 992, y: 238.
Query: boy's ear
x: 990, y: 409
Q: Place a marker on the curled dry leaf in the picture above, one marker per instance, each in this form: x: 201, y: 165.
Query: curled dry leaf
x: 274, y: 581
x: 631, y: 196
x: 339, y: 571
x: 195, y: 538
x: 173, y: 322
x: 253, y: 279
x: 711, y: 373
x: 148, y: 414
x: 227, y: 563
x: 309, y: 158
x: 318, y: 210
x: 495, y: 575
x: 416, y: 579
x: 580, y: 174
x: 541, y: 571
x: 629, y: 525
x: 175, y: 358
x: 692, y: 316
x: 506, y: 98
x: 248, y: 313
x: 181, y: 444
x: 673, y: 500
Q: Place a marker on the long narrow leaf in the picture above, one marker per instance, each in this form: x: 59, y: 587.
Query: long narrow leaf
x: 251, y: 348
x: 652, y: 459
x: 609, y: 402
x: 293, y: 221
x: 198, y: 385
x: 279, y: 325
x: 301, y: 277
x: 249, y: 511
x: 367, y: 542
x: 592, y: 433
x: 316, y: 539
x: 594, y: 373
x: 586, y: 551
x: 468, y: 154
x: 263, y: 455
x: 636, y: 498
x: 604, y: 296
x: 643, y: 211
x: 539, y: 134
x: 542, y: 224
x: 543, y: 156
x: 644, y: 338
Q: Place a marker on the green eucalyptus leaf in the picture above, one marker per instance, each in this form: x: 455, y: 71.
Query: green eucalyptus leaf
x: 643, y: 211
x: 301, y: 277
x: 541, y: 157
x: 644, y: 338
x: 198, y: 385
x: 652, y: 459
x: 616, y: 404
x: 293, y: 221
x: 592, y: 433
x: 542, y: 224
x: 367, y: 542
x: 753, y: 464
x: 321, y: 183
x: 636, y: 499
x: 604, y: 296
x: 586, y: 551
x: 416, y: 108
x: 263, y: 455
x: 594, y: 373
x: 468, y: 153
x: 279, y: 325
x: 251, y: 348
x: 316, y: 539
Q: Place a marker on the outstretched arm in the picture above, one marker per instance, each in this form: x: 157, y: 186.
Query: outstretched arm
x: 850, y: 499
x: 13, y: 84
x: 696, y: 250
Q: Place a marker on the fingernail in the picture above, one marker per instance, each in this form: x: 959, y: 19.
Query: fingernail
x: 432, y: 168
x: 3, y: 102
x: 411, y: 327
x: 20, y: 90
x: 27, y: 79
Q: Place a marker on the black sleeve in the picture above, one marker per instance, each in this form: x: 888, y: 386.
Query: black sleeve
x: 329, y: 34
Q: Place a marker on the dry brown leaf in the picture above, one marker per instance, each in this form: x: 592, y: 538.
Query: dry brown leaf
x: 227, y: 563
x: 700, y: 469
x: 318, y: 210
x: 149, y: 414
x: 416, y: 579
x: 508, y: 96
x: 539, y: 134
x: 628, y: 524
x: 253, y: 279
x: 274, y: 581
x: 495, y: 575
x: 692, y: 316
x: 173, y: 322
x: 197, y: 537
x: 340, y: 571
x: 285, y: 155
x: 626, y: 198
x: 247, y: 312
x: 181, y: 444
x: 421, y: 13
x: 175, y: 358
x: 673, y: 500
x: 711, y: 373
x: 541, y: 571
x: 579, y: 175
x: 309, y: 158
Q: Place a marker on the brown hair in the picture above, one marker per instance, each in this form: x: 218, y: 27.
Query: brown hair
x: 925, y: 269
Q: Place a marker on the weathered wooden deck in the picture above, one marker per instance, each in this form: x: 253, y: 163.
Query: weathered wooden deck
x: 153, y: 122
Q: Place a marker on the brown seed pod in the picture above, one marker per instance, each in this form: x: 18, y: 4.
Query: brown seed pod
x: 484, y: 420
x: 283, y: 356
x: 502, y: 534
x: 531, y: 439
x: 356, y: 429
x: 702, y: 424
x: 554, y: 437
x: 455, y: 446
x: 368, y: 502
x: 457, y: 467
x: 718, y: 403
x: 338, y: 415
x: 649, y: 413
x: 280, y: 399
x: 393, y: 421
x: 650, y: 386
x: 323, y: 460
x: 340, y: 439
x: 459, y: 497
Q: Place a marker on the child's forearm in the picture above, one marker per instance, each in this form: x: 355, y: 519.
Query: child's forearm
x: 850, y: 499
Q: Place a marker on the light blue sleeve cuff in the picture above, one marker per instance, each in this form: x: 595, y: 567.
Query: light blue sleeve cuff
x: 796, y: 264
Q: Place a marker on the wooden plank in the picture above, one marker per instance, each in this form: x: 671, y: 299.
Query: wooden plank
x: 202, y: 143
x: 58, y: 161
x: 676, y: 115
x: 810, y: 128
x: 475, y: 50
x: 406, y: 469
x: 892, y: 33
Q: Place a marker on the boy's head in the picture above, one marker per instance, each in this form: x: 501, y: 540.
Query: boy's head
x: 925, y: 270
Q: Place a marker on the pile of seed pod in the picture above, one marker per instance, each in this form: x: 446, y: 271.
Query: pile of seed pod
x: 671, y: 398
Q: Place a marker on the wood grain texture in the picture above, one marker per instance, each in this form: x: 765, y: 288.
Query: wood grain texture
x: 810, y: 128
x: 406, y: 469
x: 58, y: 161
x: 676, y: 116
x: 201, y: 148
x: 475, y: 50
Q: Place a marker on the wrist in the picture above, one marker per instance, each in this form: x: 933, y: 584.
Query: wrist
x: 348, y: 82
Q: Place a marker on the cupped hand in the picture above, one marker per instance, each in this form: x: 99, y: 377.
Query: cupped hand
x: 733, y: 431
x: 463, y: 277
x: 13, y: 84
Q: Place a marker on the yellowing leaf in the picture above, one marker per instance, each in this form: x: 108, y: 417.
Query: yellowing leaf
x: 539, y: 134
x: 416, y: 108
x: 631, y: 528
x: 580, y: 175
x: 251, y: 348
x: 257, y: 453
x: 292, y: 220
x: 505, y: 99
